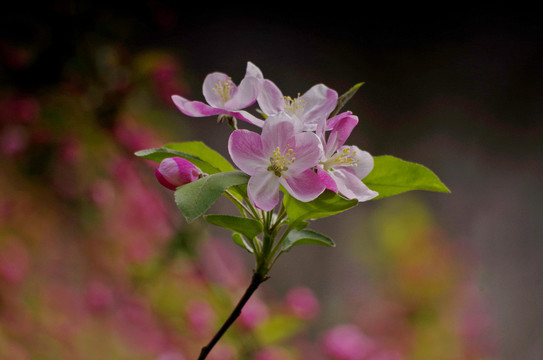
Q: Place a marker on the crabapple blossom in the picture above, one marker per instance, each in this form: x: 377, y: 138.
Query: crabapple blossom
x: 308, y: 110
x: 341, y: 167
x: 277, y: 156
x: 224, y: 97
x: 175, y: 171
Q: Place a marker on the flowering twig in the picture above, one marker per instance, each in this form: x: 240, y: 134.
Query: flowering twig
x: 300, y: 154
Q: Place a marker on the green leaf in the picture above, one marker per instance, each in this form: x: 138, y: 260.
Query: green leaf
x: 277, y: 328
x: 250, y: 228
x: 195, y: 198
x: 238, y: 239
x: 343, y: 99
x: 208, y: 160
x: 327, y: 204
x: 303, y: 237
x: 392, y: 176
x: 202, y: 151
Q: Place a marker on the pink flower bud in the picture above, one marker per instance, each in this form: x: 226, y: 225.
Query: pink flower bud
x: 175, y: 171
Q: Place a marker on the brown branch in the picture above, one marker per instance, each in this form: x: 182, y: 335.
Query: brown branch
x: 256, y: 280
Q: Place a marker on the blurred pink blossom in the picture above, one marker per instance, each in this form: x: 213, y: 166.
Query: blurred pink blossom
x: 302, y: 303
x: 13, y: 140
x: 102, y: 192
x: 99, y: 297
x: 386, y: 355
x: 19, y: 109
x: 165, y: 79
x: 272, y: 353
x: 222, y: 351
x: 14, y: 262
x: 347, y: 342
x: 253, y: 313
x: 170, y: 355
x: 201, y: 317
x: 137, y: 323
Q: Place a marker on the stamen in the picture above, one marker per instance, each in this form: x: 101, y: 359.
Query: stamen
x: 280, y: 161
x: 345, y: 157
x: 294, y: 106
x: 224, y: 90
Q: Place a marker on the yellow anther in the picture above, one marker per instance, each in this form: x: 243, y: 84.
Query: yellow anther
x: 280, y: 162
x: 345, y: 157
x: 224, y: 90
x: 294, y: 106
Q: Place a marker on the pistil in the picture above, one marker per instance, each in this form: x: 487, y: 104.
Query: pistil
x: 280, y: 162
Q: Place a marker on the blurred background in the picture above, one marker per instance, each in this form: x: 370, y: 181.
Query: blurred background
x: 97, y: 263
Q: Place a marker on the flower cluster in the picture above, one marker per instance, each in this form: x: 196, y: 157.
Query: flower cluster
x: 301, y: 145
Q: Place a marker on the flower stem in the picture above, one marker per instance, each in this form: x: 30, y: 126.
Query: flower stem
x: 257, y: 279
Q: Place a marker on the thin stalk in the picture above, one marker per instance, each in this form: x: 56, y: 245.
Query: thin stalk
x: 256, y: 280
x: 240, y: 203
x: 278, y: 245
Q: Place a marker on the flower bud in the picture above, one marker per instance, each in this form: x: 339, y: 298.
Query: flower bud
x: 175, y: 171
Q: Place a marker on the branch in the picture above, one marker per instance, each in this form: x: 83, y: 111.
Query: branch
x: 256, y: 280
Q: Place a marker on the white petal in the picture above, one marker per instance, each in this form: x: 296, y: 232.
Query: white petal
x: 350, y: 186
x: 270, y: 98
x: 276, y: 132
x: 364, y: 162
x: 263, y: 189
x: 208, y: 88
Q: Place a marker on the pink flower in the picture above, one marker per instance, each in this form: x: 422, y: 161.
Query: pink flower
x: 308, y: 110
x: 347, y: 342
x: 99, y: 297
x: 278, y: 156
x: 302, y: 303
x: 341, y: 167
x: 254, y: 313
x: 201, y: 317
x: 175, y: 171
x: 224, y: 97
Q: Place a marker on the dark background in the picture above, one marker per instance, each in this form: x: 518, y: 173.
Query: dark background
x: 457, y: 89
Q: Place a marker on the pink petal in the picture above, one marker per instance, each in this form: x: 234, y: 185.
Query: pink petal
x: 342, y: 126
x: 245, y: 149
x: 320, y: 102
x: 247, y: 117
x: 245, y: 95
x: 326, y: 179
x: 305, y: 186
x: 270, y: 98
x: 263, y: 189
x: 175, y: 171
x: 350, y: 186
x: 194, y: 108
x: 364, y: 162
x: 307, y: 152
x: 276, y: 132
x: 254, y: 71
x: 209, y: 84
